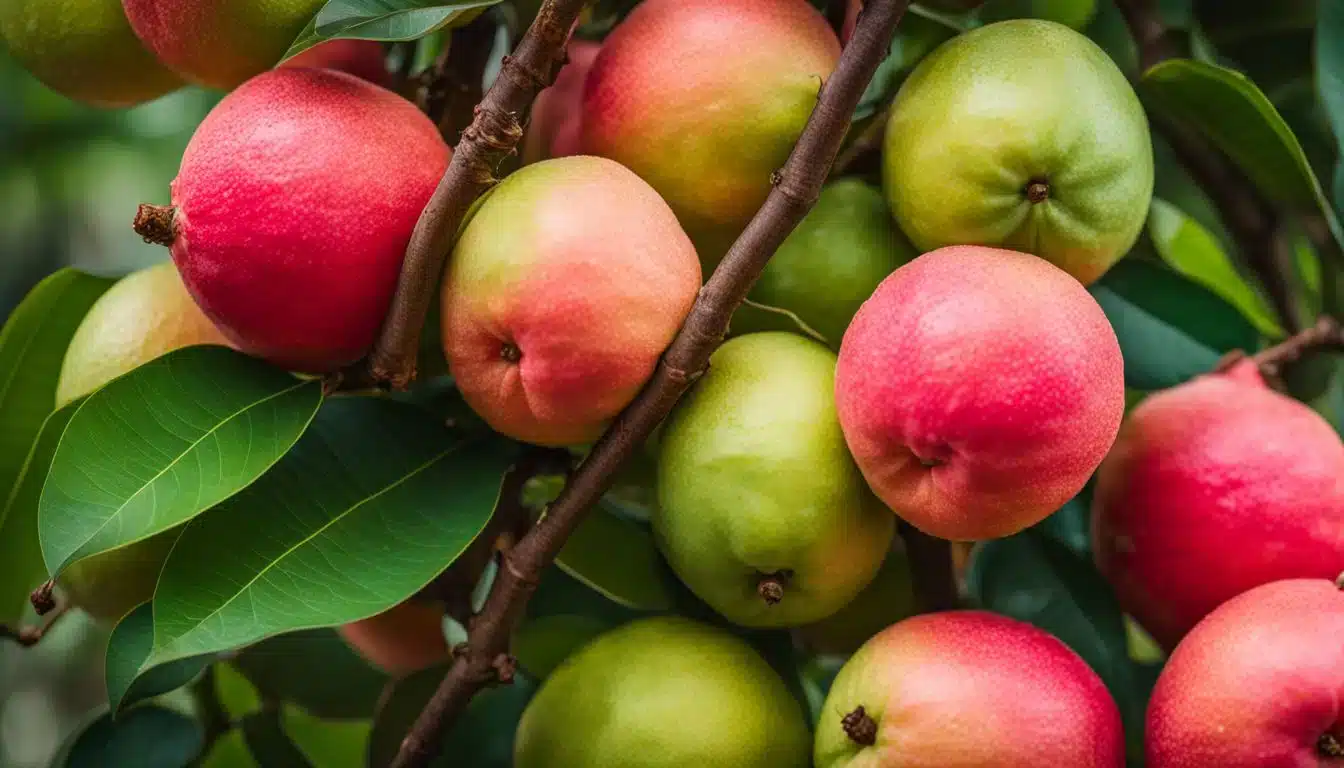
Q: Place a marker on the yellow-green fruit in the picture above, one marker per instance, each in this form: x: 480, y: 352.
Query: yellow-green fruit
x: 1021, y: 135
x: 147, y: 314
x: 84, y: 49
x: 887, y: 600
x: 833, y: 261
x: 761, y: 510
x: 664, y: 692
x: 1071, y: 13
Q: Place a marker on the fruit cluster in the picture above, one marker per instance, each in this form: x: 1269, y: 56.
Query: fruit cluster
x: 951, y: 371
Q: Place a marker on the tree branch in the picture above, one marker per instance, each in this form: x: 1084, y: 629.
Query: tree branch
x: 494, y: 132
x: 796, y: 188
x: 931, y: 569
x: 1249, y: 218
x: 1325, y: 334
x: 30, y: 636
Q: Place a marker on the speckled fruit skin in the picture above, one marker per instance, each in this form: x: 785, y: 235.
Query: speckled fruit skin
x: 659, y: 693
x: 1214, y: 487
x: 833, y: 260
x: 754, y: 479
x: 994, y: 110
x: 970, y: 689
x: 295, y: 202
x: 84, y: 49
x: 557, y: 114
x: 404, y: 639
x: 364, y: 59
x: 1257, y: 684
x: 146, y: 315
x: 220, y: 43
x: 562, y: 292
x: 978, y: 389
x: 704, y: 99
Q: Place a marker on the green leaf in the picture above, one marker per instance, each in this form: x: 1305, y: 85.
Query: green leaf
x: 383, y: 20
x: 230, y: 751
x: 1071, y: 525
x: 1170, y: 328
x: 542, y: 644
x: 617, y: 558
x: 268, y: 742
x: 237, y: 696
x: 316, y: 670
x: 127, y: 649
x: 21, y: 566
x: 1035, y: 579
x: 918, y: 34
x: 145, y: 737
x: 32, y: 348
x: 158, y: 446
x: 1194, y: 252
x: 482, y: 736
x: 326, y: 743
x: 373, y: 503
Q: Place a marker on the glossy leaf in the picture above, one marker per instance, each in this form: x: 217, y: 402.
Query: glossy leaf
x: 372, y: 504
x: 316, y: 670
x: 32, y: 348
x: 1193, y: 251
x: 230, y: 751
x: 326, y: 743
x: 158, y: 446
x: 617, y: 558
x: 127, y: 649
x: 384, y: 20
x: 1071, y: 525
x: 1170, y: 328
x: 21, y: 566
x: 145, y: 737
x: 481, y: 738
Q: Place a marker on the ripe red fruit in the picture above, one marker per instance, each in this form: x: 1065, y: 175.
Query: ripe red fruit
x: 1259, y: 683
x: 292, y: 210
x: 967, y: 689
x: 978, y: 389
x: 557, y: 115
x: 362, y: 58
x: 403, y: 639
x: 704, y: 99
x: 1214, y: 487
x: 562, y: 292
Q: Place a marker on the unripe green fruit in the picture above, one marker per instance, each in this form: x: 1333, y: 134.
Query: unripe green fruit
x: 761, y: 510
x: 84, y: 49
x: 888, y: 599
x: 146, y: 315
x: 833, y: 261
x: 662, y: 693
x: 1021, y: 135
x: 220, y: 43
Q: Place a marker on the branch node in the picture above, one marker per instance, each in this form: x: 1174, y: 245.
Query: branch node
x: 505, y: 667
x: 860, y: 727
x: 43, y: 600
x: 156, y: 224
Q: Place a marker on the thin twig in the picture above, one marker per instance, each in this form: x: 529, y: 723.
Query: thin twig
x: 1325, y: 334
x: 1249, y: 218
x: 30, y: 636
x: 494, y: 132
x: 796, y: 188
x: 932, y: 570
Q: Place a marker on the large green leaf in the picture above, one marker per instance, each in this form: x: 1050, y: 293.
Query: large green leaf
x: 32, y: 348
x: 1033, y: 578
x: 1170, y: 328
x: 1194, y: 252
x: 481, y: 738
x: 21, y: 566
x: 316, y: 670
x: 384, y: 20
x: 145, y: 737
x: 1330, y: 73
x: 373, y: 502
x: 326, y: 743
x: 127, y: 649
x: 617, y: 558
x: 158, y: 446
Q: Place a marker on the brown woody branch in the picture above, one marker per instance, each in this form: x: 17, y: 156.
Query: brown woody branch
x: 796, y: 188
x: 30, y: 636
x: 1325, y: 334
x: 1249, y: 218
x: 495, y: 130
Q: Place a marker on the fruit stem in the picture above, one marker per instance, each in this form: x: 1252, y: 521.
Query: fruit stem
x: 157, y: 224
x: 1330, y: 745
x: 859, y: 727
x: 43, y: 600
x: 771, y: 587
x: 1327, y: 332
x: 1038, y: 190
x: 1339, y: 581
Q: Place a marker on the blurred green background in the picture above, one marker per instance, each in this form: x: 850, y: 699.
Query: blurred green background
x: 71, y: 177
